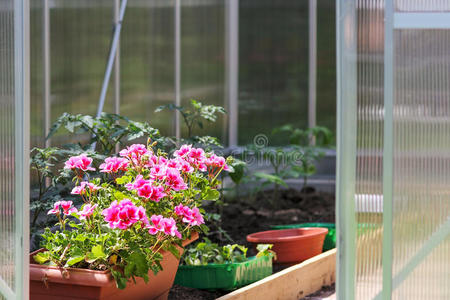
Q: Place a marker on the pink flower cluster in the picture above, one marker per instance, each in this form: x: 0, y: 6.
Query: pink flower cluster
x: 81, y: 162
x: 87, y: 211
x: 146, y: 188
x: 135, y: 153
x: 84, y: 187
x: 215, y: 161
x: 66, y: 207
x: 124, y: 214
x: 166, y: 225
x: 190, y: 216
x: 194, y: 156
x: 114, y: 165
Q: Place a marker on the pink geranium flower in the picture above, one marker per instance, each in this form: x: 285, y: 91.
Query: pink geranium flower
x: 152, y: 192
x: 166, y: 225
x: 215, y: 161
x: 66, y: 207
x: 170, y: 227
x: 183, y: 151
x: 55, y: 209
x: 114, y: 165
x: 191, y: 216
x: 173, y: 180
x: 81, y: 162
x: 155, y: 226
x: 138, y: 183
x: 158, y: 172
x: 135, y: 153
x: 84, y: 187
x: 124, y: 214
x: 87, y: 211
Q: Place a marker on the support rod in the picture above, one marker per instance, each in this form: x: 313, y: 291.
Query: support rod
x: 112, y: 57
x: 177, y: 70
x: 46, y: 70
x: 312, y: 66
x: 232, y: 69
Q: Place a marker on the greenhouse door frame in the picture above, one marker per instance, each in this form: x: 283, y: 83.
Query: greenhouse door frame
x: 20, y: 290
x: 346, y: 23
x: 397, y: 21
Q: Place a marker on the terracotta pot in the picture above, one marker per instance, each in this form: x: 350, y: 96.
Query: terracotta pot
x: 52, y: 283
x: 292, y: 246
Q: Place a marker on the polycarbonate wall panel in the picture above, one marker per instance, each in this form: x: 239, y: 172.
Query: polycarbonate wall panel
x: 36, y: 73
x: 147, y: 62
x: 422, y: 5
x: 326, y: 64
x: 414, y: 123
x: 273, y: 66
x: 80, y: 36
x: 421, y: 196
x: 369, y: 171
x: 202, y: 58
x: 7, y: 141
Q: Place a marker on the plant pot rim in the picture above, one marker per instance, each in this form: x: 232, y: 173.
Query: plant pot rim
x: 286, y: 235
x: 77, y: 275
x: 328, y: 225
x: 214, y: 265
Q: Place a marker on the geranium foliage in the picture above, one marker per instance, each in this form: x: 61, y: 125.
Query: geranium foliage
x: 143, y: 203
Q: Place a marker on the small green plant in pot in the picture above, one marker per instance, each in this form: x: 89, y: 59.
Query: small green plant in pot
x: 143, y: 207
x: 210, y: 266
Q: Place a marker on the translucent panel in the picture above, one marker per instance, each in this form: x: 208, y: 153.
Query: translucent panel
x: 80, y: 37
x: 326, y: 64
x: 273, y: 66
x: 202, y: 57
x: 421, y: 163
x: 369, y: 188
x: 422, y: 5
x: 7, y: 193
x: 147, y: 62
x: 36, y: 74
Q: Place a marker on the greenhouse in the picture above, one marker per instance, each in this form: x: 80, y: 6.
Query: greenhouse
x: 225, y: 149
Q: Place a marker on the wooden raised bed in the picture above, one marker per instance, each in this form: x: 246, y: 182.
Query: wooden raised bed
x: 292, y: 283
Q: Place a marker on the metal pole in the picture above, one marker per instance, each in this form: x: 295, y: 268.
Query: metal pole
x: 232, y: 68
x: 312, y: 66
x: 117, y: 62
x: 46, y: 67
x: 22, y: 146
x: 177, y: 67
x: 112, y: 57
x: 346, y: 26
x: 117, y: 68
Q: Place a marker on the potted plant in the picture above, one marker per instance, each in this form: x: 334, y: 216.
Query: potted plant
x: 209, y: 266
x: 292, y: 245
x: 330, y: 239
x: 130, y: 229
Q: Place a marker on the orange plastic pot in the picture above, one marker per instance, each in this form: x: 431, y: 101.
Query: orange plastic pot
x: 52, y: 283
x: 292, y: 246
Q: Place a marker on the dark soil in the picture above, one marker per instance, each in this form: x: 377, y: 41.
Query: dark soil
x: 243, y: 216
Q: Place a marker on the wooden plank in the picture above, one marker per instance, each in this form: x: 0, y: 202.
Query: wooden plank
x: 292, y: 283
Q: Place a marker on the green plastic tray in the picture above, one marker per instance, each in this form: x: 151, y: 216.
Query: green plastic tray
x: 224, y: 276
x: 330, y: 239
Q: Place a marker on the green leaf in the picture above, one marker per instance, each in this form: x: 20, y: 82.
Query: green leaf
x: 42, y: 257
x: 73, y: 260
x: 97, y: 251
x: 123, y: 180
x: 140, y: 262
x: 121, y: 282
x: 174, y: 250
x: 271, y: 178
x: 210, y: 194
